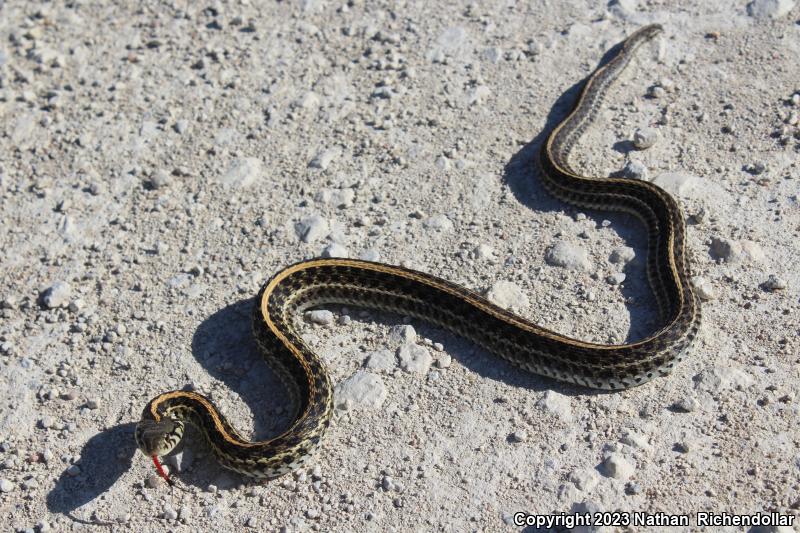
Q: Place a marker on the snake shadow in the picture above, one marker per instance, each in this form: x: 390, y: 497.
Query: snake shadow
x: 224, y: 346
x: 103, y: 460
x: 522, y: 175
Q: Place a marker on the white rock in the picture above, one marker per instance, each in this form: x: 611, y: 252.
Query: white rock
x: 242, y: 173
x: 160, y: 179
x: 6, y: 485
x: 493, y: 55
x: 169, y: 513
x: 323, y: 317
x: 687, y: 404
x: 444, y: 360
x: 618, y: 467
x: 76, y: 305
x: 335, y: 250
x: 584, y: 478
x: 414, y: 359
x: 518, y: 436
x: 636, y: 170
x: 556, y: 404
x: 380, y: 360
x: 622, y: 254
x: 703, y: 288
x: 324, y: 158
x: 752, y: 250
x: 635, y: 440
x: 507, y: 295
x: 438, y: 223
x: 312, y: 228
x: 57, y: 295
x: 336, y: 197
x: 451, y: 42
x: 362, y: 390
x: 722, y: 377
x: 644, y: 138
x: 616, y: 278
x: 769, y: 8
x: 567, y: 255
x: 483, y: 252
x: 404, y: 333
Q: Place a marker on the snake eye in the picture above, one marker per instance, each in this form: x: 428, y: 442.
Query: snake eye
x: 158, y: 437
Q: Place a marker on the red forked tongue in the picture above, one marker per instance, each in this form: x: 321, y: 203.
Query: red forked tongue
x: 161, y: 470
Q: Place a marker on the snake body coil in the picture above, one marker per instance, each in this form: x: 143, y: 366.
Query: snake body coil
x: 450, y: 306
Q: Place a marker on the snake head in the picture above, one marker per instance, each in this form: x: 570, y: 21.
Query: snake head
x: 158, y: 437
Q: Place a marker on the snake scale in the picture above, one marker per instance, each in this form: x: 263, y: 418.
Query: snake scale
x: 411, y: 293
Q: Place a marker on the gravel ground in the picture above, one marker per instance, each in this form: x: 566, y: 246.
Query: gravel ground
x: 160, y: 160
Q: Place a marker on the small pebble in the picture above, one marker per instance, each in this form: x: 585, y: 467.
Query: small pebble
x: 160, y: 179
x: 438, y: 223
x: 415, y: 359
x: 362, y: 390
x: 169, y: 513
x: 644, y: 138
x: 93, y: 403
x: 508, y: 295
x: 556, y: 404
x: 687, y: 404
x: 335, y: 250
x: 622, y: 255
x: 154, y: 481
x: 73, y: 470
x: 656, y: 91
x: 769, y: 9
x: 618, y: 467
x: 518, y: 436
x: 636, y: 170
x: 323, y: 317
x: 483, y: 252
x: 632, y: 488
x: 57, y: 295
x: 6, y: 485
x: 569, y: 256
x: 703, y: 288
x: 324, y: 159
x: 616, y: 278
x: 242, y: 173
x: 312, y: 228
x: 380, y: 360
x: 405, y: 334
x: 584, y: 479
x: 444, y: 360
x: 774, y: 283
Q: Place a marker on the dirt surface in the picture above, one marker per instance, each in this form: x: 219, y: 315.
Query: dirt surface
x: 160, y: 160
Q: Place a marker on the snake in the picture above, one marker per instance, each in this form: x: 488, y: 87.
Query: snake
x: 396, y: 289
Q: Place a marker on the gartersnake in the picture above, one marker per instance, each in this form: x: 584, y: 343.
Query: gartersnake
x: 416, y: 294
